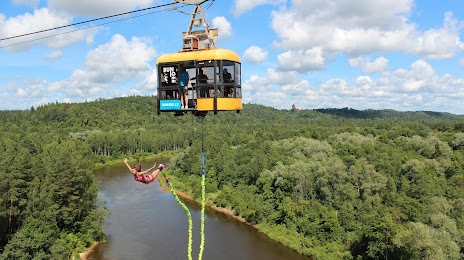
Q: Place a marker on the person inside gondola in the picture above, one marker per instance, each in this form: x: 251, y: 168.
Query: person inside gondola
x: 202, y: 79
x: 227, y: 79
x: 227, y: 76
x: 184, y: 80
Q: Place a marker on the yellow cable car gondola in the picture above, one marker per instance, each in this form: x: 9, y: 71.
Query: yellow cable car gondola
x: 215, y: 75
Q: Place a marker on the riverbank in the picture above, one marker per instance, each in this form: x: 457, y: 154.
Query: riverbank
x: 84, y: 255
x: 289, y: 239
x: 226, y: 211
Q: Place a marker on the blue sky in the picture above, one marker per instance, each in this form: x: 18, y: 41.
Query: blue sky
x: 404, y: 55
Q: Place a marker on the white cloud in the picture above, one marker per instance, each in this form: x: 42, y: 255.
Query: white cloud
x: 361, y: 27
x: 53, y: 55
x: 224, y: 27
x: 419, y: 88
x: 148, y: 85
x: 379, y: 65
x: 21, y: 93
x: 255, y: 55
x: 26, y: 88
x: 403, y: 89
x: 282, y: 77
x: 259, y: 90
x: 106, y: 70
x: 441, y: 43
x: 242, y: 6
x: 97, y: 8
x: 96, y: 92
x: 314, y: 22
x: 365, y: 14
x: 117, y: 61
x: 302, y: 60
x: 302, y: 88
x: 41, y: 19
x: 276, y: 89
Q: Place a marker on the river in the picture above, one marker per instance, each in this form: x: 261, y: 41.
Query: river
x: 147, y: 223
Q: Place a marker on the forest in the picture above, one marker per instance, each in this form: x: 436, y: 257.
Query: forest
x: 329, y: 183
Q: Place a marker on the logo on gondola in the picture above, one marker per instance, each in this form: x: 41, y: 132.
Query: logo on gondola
x: 169, y: 104
x: 170, y: 75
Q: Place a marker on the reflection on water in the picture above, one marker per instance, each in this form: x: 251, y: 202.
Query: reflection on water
x: 147, y: 223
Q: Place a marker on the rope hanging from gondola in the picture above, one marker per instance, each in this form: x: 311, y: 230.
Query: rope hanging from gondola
x: 203, y: 194
x: 203, y: 202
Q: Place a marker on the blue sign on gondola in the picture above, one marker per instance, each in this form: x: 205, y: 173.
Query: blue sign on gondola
x: 169, y: 104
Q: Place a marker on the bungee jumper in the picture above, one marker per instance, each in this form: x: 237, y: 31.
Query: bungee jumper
x: 136, y: 170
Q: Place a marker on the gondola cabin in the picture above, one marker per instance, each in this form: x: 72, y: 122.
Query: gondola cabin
x: 214, y: 85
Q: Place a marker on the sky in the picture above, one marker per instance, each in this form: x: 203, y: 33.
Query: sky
x: 404, y: 55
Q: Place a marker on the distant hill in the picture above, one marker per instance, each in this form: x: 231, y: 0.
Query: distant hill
x: 133, y: 111
x: 389, y: 114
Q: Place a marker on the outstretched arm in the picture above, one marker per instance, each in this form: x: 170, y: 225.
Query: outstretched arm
x: 125, y: 162
x: 149, y: 169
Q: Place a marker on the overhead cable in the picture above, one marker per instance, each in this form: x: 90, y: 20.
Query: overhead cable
x: 88, y: 21
x: 84, y: 28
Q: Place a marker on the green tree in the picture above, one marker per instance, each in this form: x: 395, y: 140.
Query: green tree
x: 32, y: 241
x: 420, y: 241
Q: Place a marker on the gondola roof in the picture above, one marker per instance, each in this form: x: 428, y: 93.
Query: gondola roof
x: 200, y: 55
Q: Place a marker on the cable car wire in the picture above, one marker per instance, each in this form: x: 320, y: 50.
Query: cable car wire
x: 85, y: 28
x: 206, y: 8
x: 88, y: 21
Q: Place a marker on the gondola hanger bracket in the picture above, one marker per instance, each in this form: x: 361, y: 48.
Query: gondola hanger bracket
x: 193, y: 39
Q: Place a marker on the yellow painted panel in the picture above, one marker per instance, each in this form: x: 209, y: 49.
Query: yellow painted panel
x: 207, y: 104
x: 229, y: 103
x: 216, y: 54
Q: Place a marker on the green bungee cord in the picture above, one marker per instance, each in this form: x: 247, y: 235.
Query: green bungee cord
x: 203, y: 200
x: 189, y: 250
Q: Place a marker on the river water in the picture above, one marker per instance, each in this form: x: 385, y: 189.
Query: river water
x: 147, y: 223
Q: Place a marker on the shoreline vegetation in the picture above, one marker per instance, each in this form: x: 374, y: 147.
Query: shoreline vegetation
x: 226, y: 211
x: 264, y: 229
